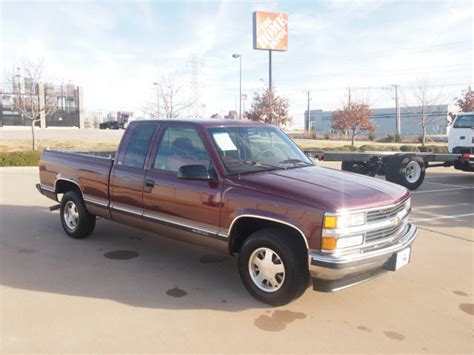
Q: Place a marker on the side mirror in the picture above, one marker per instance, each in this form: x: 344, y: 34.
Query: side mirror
x: 196, y: 172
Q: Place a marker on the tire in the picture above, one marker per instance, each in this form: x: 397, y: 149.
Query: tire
x: 77, y: 222
x: 289, y: 252
x: 359, y: 168
x: 405, y: 169
x: 347, y: 166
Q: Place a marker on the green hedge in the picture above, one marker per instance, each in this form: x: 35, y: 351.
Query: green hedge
x: 26, y: 158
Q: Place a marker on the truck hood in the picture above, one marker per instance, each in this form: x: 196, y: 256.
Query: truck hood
x: 329, y: 189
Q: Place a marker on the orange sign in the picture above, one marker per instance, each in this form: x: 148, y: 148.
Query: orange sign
x: 270, y: 31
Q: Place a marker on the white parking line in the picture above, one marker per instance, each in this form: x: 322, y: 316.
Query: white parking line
x: 444, y: 176
x: 441, y: 217
x: 442, y: 190
x: 443, y: 184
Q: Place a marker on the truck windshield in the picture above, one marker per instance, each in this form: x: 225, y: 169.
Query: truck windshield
x: 464, y: 121
x: 251, y: 149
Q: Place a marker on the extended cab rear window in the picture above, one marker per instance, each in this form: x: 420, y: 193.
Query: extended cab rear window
x: 138, y: 145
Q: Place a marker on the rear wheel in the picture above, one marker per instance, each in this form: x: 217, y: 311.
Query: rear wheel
x: 405, y: 169
x: 273, y: 266
x: 77, y: 222
x: 347, y: 166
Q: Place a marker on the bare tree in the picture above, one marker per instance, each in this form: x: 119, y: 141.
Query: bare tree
x: 424, y: 98
x: 171, y: 101
x: 30, y: 100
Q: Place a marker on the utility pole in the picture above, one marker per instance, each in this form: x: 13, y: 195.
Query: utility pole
x: 308, y: 114
x: 349, y: 96
x: 397, y: 108
x: 157, y: 84
x: 195, y: 84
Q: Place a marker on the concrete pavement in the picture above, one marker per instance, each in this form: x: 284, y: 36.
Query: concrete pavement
x: 62, y: 295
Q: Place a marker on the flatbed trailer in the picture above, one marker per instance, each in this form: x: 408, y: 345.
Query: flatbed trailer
x: 404, y: 168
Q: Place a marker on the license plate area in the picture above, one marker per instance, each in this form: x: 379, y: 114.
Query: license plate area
x: 402, y: 258
x: 399, y: 260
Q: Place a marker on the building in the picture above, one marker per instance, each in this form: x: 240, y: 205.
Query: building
x: 385, y: 121
x: 67, y: 101
x: 232, y: 115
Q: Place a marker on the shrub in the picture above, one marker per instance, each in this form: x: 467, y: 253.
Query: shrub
x: 409, y: 148
x: 441, y: 149
x: 327, y: 137
x: 397, y: 138
x: 371, y: 136
x: 389, y: 138
x: 434, y: 149
x: 378, y: 148
x: 26, y: 158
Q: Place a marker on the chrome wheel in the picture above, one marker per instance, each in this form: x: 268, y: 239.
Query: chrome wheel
x: 71, y: 215
x: 266, y: 269
x: 413, y: 171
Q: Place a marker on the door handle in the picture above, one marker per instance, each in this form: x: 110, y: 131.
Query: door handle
x: 463, y: 137
x: 149, y: 183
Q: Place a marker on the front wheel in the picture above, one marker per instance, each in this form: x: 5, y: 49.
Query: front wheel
x: 273, y: 266
x: 77, y: 222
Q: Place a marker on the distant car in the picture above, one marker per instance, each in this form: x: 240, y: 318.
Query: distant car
x: 239, y: 187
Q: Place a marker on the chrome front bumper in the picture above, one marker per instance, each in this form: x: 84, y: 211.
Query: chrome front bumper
x: 337, y: 272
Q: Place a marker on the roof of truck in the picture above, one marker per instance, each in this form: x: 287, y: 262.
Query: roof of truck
x: 206, y: 123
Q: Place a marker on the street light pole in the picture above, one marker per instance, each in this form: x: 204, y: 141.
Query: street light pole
x: 397, y: 111
x: 157, y: 99
x: 235, y: 55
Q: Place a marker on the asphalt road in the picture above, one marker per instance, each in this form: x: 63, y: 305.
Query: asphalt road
x: 61, y: 295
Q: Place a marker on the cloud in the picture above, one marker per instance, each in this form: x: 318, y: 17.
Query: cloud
x: 116, y: 50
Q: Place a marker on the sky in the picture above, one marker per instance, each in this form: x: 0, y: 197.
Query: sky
x: 116, y: 50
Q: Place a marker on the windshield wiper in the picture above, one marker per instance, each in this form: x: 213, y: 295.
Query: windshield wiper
x: 294, y: 161
x: 254, y: 163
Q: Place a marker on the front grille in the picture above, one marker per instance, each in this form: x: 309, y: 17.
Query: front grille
x: 383, y: 233
x: 385, y: 213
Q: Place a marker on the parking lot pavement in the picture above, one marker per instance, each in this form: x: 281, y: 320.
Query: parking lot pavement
x: 61, y: 295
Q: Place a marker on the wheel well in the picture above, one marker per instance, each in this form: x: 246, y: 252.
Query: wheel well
x: 63, y: 186
x: 245, y: 226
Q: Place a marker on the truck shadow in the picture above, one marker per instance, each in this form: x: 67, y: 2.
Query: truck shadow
x: 150, y: 271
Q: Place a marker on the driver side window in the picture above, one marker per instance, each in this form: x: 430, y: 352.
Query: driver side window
x: 180, y: 146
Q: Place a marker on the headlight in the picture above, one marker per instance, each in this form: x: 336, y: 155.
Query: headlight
x: 335, y: 221
x: 335, y: 234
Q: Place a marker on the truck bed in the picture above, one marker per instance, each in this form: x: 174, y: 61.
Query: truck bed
x: 89, y: 170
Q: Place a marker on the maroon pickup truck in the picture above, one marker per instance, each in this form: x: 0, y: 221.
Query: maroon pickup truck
x: 240, y: 188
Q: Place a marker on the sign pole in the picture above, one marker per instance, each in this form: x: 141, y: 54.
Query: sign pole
x: 270, y: 70
x: 270, y: 78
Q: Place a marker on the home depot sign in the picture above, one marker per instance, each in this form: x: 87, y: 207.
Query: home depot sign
x: 270, y: 31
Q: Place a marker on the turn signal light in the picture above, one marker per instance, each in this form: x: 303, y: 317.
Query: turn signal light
x: 328, y: 243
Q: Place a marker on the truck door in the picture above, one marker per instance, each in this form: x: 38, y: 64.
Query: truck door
x: 128, y: 173
x: 182, y: 208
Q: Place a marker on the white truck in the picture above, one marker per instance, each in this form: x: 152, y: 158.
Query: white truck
x: 408, y: 168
